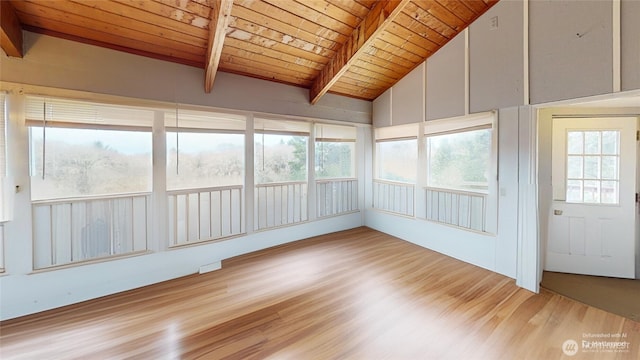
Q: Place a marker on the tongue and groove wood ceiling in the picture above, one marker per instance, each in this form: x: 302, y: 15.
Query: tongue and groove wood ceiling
x: 357, y: 48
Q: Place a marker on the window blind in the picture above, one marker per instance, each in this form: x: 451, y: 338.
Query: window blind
x: 478, y: 121
x: 335, y: 133
x: 400, y: 132
x: 189, y: 120
x: 84, y: 114
x: 284, y: 127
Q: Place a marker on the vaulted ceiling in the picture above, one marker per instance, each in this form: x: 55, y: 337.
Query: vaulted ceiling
x: 357, y: 48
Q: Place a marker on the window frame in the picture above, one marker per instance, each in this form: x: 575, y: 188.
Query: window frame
x: 33, y: 121
x: 335, y: 139
x: 461, y: 124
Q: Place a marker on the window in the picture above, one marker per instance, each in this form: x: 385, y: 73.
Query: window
x: 205, y: 175
x: 336, y: 186
x: 90, y: 180
x: 593, y: 159
x: 204, y: 150
x: 397, y: 153
x: 461, y: 165
x: 396, y: 161
x: 82, y: 149
x: 459, y: 160
x: 280, y: 163
x: 335, y: 148
x: 280, y: 151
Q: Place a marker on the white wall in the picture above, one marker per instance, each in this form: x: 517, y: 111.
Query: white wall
x: 630, y: 44
x: 55, y: 65
x: 571, y: 49
x: 496, y: 58
x: 407, y: 106
x: 445, y: 85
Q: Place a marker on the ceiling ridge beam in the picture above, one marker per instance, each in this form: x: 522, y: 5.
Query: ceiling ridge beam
x: 376, y: 21
x: 220, y: 16
x: 10, y: 30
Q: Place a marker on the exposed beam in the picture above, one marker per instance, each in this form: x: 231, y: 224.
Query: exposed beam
x: 10, y: 30
x: 220, y: 14
x: 377, y: 20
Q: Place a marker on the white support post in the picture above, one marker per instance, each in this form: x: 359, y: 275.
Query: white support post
x: 311, y: 173
x: 159, y: 213
x: 466, y: 72
x: 249, y: 179
x: 617, y: 73
x: 20, y: 228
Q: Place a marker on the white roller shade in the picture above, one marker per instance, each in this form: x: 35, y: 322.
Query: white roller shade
x: 483, y: 120
x: 331, y: 132
x: 409, y: 131
x: 63, y: 112
x: 203, y: 120
x: 285, y: 127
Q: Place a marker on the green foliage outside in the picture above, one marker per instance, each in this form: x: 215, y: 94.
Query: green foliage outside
x: 460, y: 160
x: 334, y: 159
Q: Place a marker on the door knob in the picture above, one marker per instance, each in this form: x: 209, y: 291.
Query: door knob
x: 557, y: 212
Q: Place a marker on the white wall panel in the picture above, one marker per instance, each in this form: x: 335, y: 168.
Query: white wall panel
x: 496, y: 60
x: 506, y: 242
x: 571, y: 49
x: 630, y: 44
x: 446, y: 80
x: 408, y: 98
x: 382, y: 109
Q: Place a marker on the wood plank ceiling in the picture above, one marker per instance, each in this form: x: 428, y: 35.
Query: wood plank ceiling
x: 357, y: 48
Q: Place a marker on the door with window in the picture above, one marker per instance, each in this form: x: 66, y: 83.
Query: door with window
x: 592, y: 217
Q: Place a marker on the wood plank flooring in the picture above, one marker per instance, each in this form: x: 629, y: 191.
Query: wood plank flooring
x: 358, y: 294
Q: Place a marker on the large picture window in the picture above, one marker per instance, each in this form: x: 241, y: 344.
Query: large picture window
x: 460, y: 160
x: 204, y: 149
x: 396, y: 162
x: 91, y: 176
x: 335, y: 149
x: 280, y: 151
x: 335, y: 172
x: 81, y: 149
x: 205, y: 175
x: 461, y: 164
x: 280, y: 163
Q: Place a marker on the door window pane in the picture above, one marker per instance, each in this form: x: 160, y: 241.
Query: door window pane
x: 610, y: 142
x: 591, y: 167
x: 593, y: 172
x: 610, y: 167
x: 592, y: 142
x: 575, y: 142
x: 574, y: 167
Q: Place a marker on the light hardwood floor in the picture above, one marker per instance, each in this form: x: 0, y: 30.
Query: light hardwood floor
x: 358, y: 294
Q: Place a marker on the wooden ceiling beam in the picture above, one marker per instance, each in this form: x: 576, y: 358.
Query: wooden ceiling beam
x: 10, y: 30
x: 220, y: 16
x: 375, y: 22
